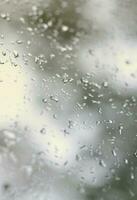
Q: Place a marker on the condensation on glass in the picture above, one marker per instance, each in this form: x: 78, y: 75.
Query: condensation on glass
x: 68, y: 100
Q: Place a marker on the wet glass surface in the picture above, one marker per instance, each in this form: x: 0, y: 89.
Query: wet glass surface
x: 68, y: 100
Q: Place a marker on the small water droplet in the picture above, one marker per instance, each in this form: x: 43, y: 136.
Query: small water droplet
x: 114, y: 153
x: 120, y: 129
x: 2, y: 62
x: 54, y: 98
x: 70, y: 124
x: 105, y: 84
x: 84, y: 80
x: 15, y: 53
x: 3, y: 15
x: 132, y: 176
x: 43, y: 131
x: 19, y: 42
x: 126, y: 161
x: 4, y: 53
x: 102, y: 163
x: 65, y: 28
x: 44, y: 100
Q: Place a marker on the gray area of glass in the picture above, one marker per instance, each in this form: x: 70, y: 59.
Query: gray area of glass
x: 68, y: 100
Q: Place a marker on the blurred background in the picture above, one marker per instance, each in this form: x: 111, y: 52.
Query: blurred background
x: 68, y: 100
